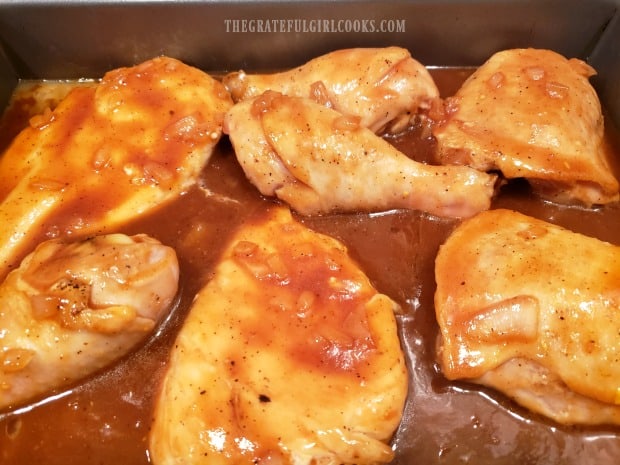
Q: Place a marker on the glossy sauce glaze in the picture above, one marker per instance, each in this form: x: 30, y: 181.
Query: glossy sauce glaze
x: 106, y: 418
x: 329, y: 343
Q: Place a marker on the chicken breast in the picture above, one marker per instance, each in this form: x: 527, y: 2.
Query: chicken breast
x: 531, y: 309
x: 532, y: 114
x: 72, y: 308
x: 384, y: 87
x: 319, y: 161
x: 107, y: 154
x: 287, y: 356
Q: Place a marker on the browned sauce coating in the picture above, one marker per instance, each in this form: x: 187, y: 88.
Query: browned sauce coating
x: 106, y: 419
x: 344, y: 346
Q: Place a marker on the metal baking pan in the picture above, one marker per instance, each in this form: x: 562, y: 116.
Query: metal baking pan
x: 74, y: 39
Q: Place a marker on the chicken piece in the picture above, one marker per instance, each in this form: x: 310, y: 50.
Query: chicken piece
x: 384, y: 87
x: 72, y: 308
x: 532, y: 114
x: 107, y: 154
x: 288, y: 355
x: 531, y: 309
x: 319, y: 161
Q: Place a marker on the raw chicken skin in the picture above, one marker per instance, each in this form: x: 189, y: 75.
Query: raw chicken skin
x: 107, y: 154
x: 319, y: 161
x: 72, y: 308
x: 384, y: 87
x: 287, y: 356
x: 531, y: 309
x: 532, y: 113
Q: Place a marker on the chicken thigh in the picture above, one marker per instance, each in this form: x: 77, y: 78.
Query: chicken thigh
x: 107, y: 154
x: 287, y: 356
x: 532, y: 114
x: 320, y: 161
x: 383, y: 87
x: 72, y: 308
x: 531, y: 309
